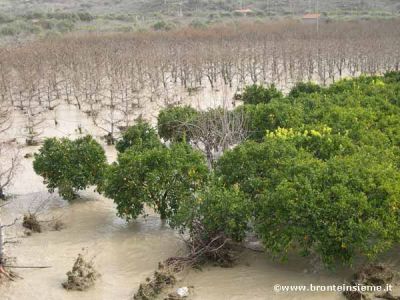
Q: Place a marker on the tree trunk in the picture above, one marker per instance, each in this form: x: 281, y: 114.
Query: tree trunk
x: 1, y: 245
x: 162, y: 207
x: 2, y: 270
x: 2, y: 196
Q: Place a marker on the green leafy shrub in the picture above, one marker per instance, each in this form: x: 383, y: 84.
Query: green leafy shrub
x: 198, y: 24
x: 256, y: 94
x: 139, y: 136
x: 172, y: 123
x: 5, y: 19
x: 34, y: 15
x: 304, y: 88
x: 159, y: 177
x: 9, y: 30
x: 323, y: 175
x: 63, y: 16
x: 339, y: 208
x: 251, y: 163
x: 69, y: 165
x: 162, y: 25
x: 265, y: 117
x: 65, y: 26
x: 85, y: 16
x: 219, y: 210
x: 392, y: 77
x: 321, y: 143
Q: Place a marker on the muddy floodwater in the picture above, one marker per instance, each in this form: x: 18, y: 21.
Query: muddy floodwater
x: 126, y: 253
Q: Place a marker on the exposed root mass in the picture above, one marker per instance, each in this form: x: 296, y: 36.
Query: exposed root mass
x: 217, y: 250
x: 163, y: 278
x: 31, y: 222
x: 82, y: 276
x: 372, y: 275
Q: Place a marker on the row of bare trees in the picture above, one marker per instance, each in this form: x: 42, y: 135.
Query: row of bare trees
x: 9, y: 162
x: 111, y: 77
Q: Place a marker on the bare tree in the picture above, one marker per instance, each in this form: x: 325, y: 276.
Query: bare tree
x: 108, y: 76
x: 8, y: 165
x: 3, y: 241
x: 216, y: 130
x: 9, y: 161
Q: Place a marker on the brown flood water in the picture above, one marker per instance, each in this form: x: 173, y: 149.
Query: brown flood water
x: 127, y: 253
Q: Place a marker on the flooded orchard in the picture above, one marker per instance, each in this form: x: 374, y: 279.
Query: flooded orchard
x: 225, y: 137
x: 124, y: 253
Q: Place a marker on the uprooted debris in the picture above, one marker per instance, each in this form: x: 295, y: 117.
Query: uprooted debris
x: 372, y: 275
x: 387, y: 296
x: 82, y: 276
x: 377, y: 275
x: 58, y: 225
x: 217, y: 250
x: 34, y: 224
x: 28, y: 155
x: 162, y: 278
x: 31, y: 222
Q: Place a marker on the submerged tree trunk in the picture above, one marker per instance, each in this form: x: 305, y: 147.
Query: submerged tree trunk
x: 2, y: 254
x: 2, y: 271
x: 2, y: 195
x: 1, y: 246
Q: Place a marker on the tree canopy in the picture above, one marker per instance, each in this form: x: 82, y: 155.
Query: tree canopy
x: 173, y: 123
x: 139, y: 136
x: 255, y: 94
x: 70, y: 165
x: 325, y: 181
x: 160, y: 178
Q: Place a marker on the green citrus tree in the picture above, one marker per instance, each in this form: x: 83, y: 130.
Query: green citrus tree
x: 215, y: 210
x: 139, y: 136
x: 256, y: 94
x: 69, y: 165
x: 173, y: 123
x: 313, y: 193
x: 160, y: 177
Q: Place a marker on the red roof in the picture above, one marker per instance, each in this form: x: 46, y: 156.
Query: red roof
x: 244, y: 11
x: 312, y: 16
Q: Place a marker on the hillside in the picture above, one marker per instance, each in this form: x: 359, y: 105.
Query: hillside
x: 20, y: 19
x: 199, y: 7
